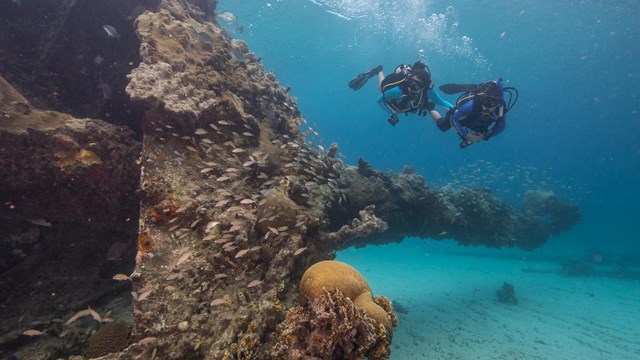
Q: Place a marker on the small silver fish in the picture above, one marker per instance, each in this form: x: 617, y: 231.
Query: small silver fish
x: 111, y: 31
x: 228, y: 17
x: 106, y: 89
x: 39, y: 222
x: 217, y: 302
x: 117, y: 251
x: 205, y: 38
x: 299, y: 251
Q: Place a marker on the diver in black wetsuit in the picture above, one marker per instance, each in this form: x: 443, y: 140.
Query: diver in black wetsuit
x: 407, y: 90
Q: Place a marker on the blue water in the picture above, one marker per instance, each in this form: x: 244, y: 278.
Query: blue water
x: 575, y: 129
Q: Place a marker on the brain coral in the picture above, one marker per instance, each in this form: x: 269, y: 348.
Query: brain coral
x: 329, y: 275
x: 111, y: 337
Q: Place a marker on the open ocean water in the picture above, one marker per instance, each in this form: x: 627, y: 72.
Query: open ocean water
x: 575, y: 130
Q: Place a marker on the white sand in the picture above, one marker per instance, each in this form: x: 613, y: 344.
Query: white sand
x: 453, y: 312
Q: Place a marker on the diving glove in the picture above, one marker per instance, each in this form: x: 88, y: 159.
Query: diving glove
x: 443, y: 124
x: 393, y: 120
x: 473, y: 136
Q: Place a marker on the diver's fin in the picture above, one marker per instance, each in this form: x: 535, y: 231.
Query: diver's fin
x: 457, y: 88
x: 359, y: 81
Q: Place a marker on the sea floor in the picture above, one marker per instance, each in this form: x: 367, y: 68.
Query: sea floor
x: 451, y: 311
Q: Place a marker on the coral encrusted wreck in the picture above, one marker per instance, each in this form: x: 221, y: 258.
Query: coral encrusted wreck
x: 212, y: 218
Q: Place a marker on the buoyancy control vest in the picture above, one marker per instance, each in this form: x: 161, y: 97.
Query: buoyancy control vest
x: 414, y: 91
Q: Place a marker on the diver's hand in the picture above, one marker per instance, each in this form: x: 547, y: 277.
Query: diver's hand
x: 426, y: 108
x: 443, y: 124
x: 473, y: 136
x: 450, y: 113
x: 470, y: 138
x: 393, y: 120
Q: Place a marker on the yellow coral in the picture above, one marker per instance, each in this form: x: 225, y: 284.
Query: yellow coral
x: 329, y: 275
x: 88, y: 157
x: 85, y: 157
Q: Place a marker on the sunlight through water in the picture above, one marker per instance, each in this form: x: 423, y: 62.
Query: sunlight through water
x: 413, y: 21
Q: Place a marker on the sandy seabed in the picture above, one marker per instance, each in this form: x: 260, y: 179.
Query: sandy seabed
x: 452, y: 311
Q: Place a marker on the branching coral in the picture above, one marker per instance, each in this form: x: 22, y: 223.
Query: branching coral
x: 367, y: 224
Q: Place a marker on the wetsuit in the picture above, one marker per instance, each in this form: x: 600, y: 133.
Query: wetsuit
x: 403, y: 99
x: 466, y: 119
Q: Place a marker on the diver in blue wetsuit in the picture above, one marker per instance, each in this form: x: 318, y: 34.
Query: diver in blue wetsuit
x: 408, y: 89
x: 480, y: 112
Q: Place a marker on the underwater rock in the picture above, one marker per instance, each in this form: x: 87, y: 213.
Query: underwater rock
x: 158, y: 81
x: 67, y: 195
x: 507, y: 294
x: 50, y: 49
x: 64, y: 169
x: 538, y: 203
x: 276, y: 211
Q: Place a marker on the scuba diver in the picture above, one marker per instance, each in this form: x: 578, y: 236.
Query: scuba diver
x: 407, y: 90
x: 480, y: 112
